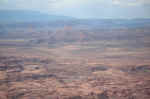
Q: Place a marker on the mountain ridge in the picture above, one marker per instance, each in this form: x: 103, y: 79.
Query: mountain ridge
x: 9, y: 16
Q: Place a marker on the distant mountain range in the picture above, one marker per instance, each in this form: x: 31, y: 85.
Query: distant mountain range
x: 21, y: 18
x: 9, y: 16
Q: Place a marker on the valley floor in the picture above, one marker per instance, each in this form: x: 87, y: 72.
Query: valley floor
x: 74, y: 71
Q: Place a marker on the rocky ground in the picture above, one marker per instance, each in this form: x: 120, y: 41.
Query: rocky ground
x: 35, y: 78
x: 80, y: 59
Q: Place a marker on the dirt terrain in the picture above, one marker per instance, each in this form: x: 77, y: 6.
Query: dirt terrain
x: 74, y: 63
x: 60, y: 73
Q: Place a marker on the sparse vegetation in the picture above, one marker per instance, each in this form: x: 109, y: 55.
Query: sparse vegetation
x: 57, y: 62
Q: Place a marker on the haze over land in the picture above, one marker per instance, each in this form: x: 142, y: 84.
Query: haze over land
x: 74, y: 49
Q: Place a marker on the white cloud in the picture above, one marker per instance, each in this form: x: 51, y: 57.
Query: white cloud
x: 27, y: 4
x: 130, y: 2
x: 83, y: 8
x: 60, y: 4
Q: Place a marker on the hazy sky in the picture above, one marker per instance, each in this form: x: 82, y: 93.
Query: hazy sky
x: 84, y: 8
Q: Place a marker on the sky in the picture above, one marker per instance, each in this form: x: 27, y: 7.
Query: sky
x: 83, y: 8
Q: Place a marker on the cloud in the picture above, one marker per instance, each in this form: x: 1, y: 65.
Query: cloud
x: 83, y: 8
x: 27, y: 4
x: 60, y: 4
x: 3, y: 1
x: 130, y: 2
